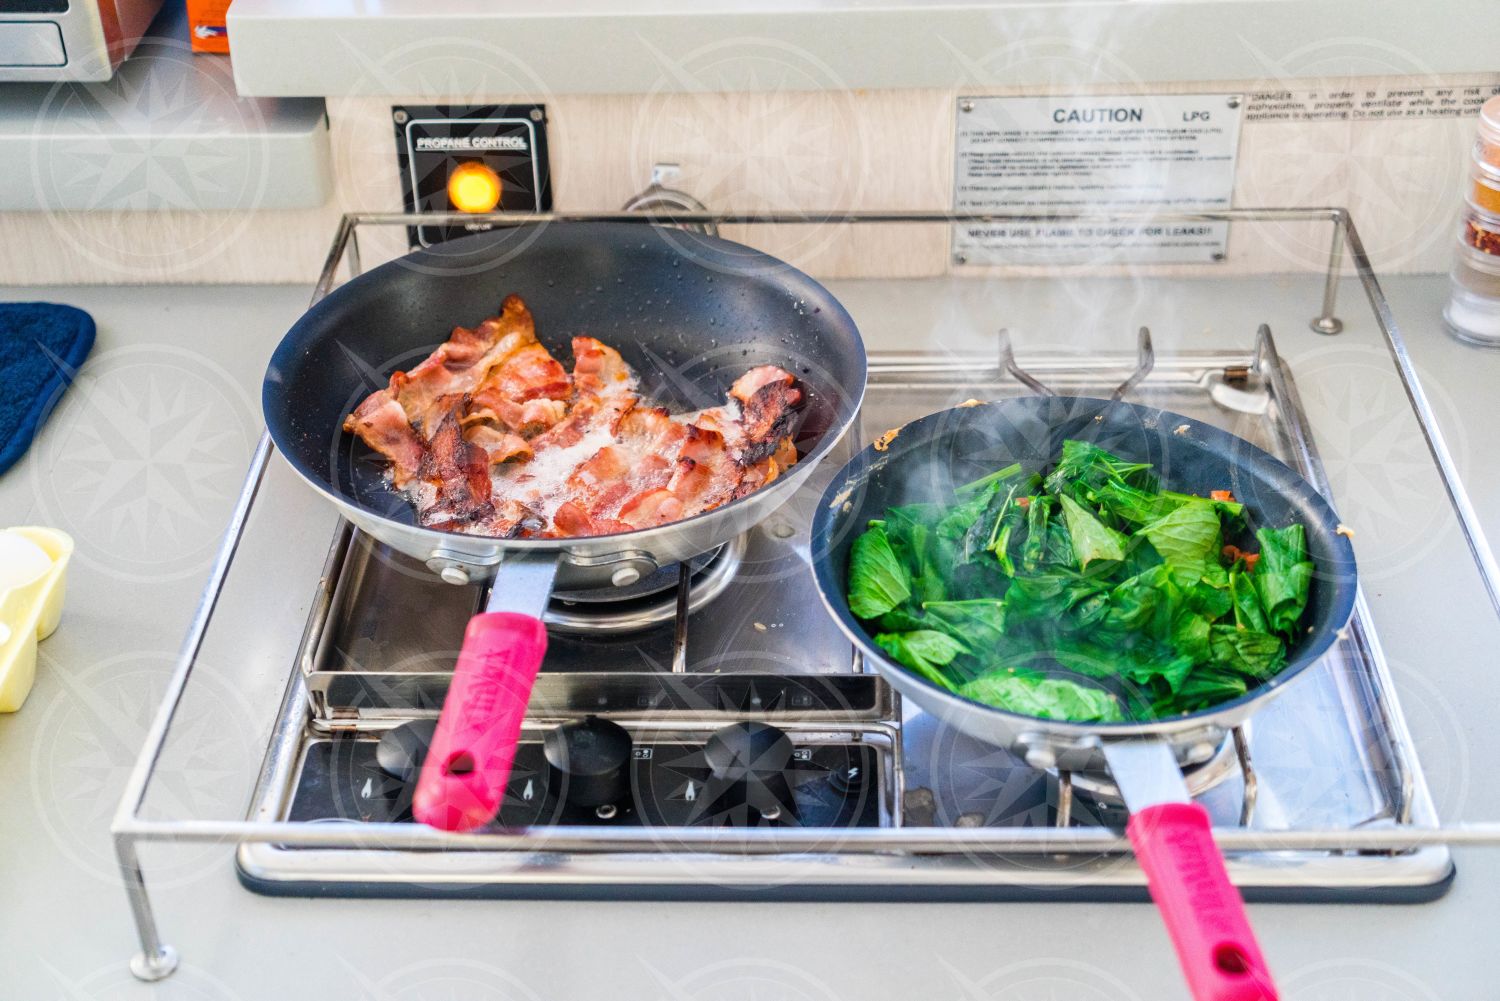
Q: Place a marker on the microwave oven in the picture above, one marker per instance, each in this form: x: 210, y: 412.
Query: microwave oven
x: 77, y: 40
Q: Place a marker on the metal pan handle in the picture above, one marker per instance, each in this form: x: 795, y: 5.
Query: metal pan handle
x: 1202, y: 909
x: 468, y: 764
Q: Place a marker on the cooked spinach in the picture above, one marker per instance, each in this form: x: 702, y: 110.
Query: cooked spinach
x: 1087, y: 594
x: 878, y: 581
x: 1049, y: 698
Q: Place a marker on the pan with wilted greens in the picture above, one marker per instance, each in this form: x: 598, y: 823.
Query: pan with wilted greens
x: 1096, y: 586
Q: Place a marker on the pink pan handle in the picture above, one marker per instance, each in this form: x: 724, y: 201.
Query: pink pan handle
x: 1202, y: 910
x: 463, y: 777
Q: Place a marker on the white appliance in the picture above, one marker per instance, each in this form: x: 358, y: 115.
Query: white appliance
x: 73, y: 40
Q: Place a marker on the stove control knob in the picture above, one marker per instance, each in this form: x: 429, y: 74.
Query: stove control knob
x: 749, y: 764
x: 402, y: 749
x: 590, y: 761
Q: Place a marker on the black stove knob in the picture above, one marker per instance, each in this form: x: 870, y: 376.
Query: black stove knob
x: 749, y: 766
x: 590, y: 761
x: 402, y: 749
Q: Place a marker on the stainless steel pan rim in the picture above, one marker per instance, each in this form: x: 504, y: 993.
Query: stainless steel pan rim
x: 588, y: 561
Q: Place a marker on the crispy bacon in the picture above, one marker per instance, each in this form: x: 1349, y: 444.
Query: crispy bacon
x: 571, y: 520
x: 766, y: 395
x: 458, y: 472
x: 526, y: 393
x: 639, y: 462
x: 760, y: 473
x: 597, y: 367
x: 706, y: 474
x: 500, y: 446
x: 461, y: 363
x: 496, y: 438
x: 525, y: 419
x: 382, y: 425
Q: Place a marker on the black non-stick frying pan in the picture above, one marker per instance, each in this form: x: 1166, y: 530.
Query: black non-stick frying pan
x: 929, y: 457
x: 689, y: 313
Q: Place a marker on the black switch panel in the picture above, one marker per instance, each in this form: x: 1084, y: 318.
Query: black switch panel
x: 432, y: 140
x: 833, y: 785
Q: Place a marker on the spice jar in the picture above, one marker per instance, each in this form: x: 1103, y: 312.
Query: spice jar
x: 1484, y: 189
x: 1487, y: 142
x: 1473, y: 309
x: 1481, y: 230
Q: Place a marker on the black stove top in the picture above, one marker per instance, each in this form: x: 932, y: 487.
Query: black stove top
x: 666, y: 780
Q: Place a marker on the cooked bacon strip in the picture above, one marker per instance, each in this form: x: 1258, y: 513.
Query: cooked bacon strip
x: 602, y: 386
x: 640, y: 461
x: 597, y: 367
x: 572, y: 521
x: 500, y: 446
x: 525, y: 419
x: 461, y: 363
x: 766, y: 395
x: 767, y: 469
x: 381, y: 423
x: 654, y: 507
x: 706, y: 474
x: 514, y: 520
x: 526, y: 393
x: 458, y: 472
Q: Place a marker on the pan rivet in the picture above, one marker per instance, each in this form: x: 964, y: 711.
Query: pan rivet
x: 625, y: 576
x: 1202, y: 751
x: 1041, y: 757
x: 454, y: 575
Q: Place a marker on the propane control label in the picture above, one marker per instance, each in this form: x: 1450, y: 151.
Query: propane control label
x: 1094, y: 155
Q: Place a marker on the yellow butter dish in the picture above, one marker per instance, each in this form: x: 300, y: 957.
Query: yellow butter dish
x: 33, y: 571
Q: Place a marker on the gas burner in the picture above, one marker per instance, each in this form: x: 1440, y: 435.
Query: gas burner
x: 1100, y: 789
x: 650, y: 601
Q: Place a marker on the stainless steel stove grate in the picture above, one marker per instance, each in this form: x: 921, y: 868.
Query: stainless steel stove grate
x: 715, y: 663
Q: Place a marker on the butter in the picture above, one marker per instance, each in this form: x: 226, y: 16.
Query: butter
x: 33, y: 572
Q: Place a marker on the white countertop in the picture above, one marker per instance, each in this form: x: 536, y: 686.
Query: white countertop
x: 164, y: 420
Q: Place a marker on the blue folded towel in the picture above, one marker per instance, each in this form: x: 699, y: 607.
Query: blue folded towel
x: 42, y: 344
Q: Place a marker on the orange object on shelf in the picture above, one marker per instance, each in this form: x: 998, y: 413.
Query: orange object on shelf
x: 1486, y: 190
x: 207, y: 25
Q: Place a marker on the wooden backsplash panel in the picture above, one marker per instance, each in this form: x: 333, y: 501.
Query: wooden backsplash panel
x: 783, y: 151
